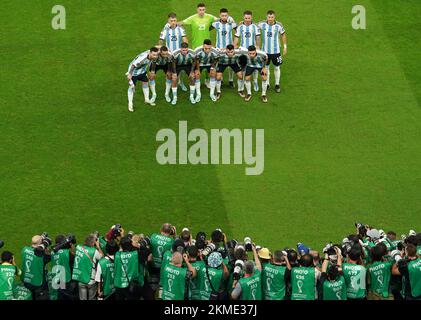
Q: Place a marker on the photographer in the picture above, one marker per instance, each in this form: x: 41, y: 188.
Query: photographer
x: 273, y: 277
x: 355, y: 274
x: 104, y: 276
x: 211, y: 278
x: 249, y: 287
x: 303, y: 278
x: 379, y: 274
x: 175, y: 279
x: 129, y: 266
x: 34, y: 260
x: 8, y: 274
x: 62, y: 261
x: 160, y: 243
x: 332, y: 283
x: 409, y: 267
x: 198, y: 264
x: 84, y: 269
x: 115, y: 233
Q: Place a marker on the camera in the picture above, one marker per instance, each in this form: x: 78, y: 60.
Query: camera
x: 230, y: 248
x: 144, y: 242
x: 45, y: 243
x: 200, y: 240
x: 247, y: 244
x: 362, y: 231
x: 223, y: 252
x: 66, y: 244
x: 209, y: 249
x: 130, y: 234
x: 238, y: 267
x: 173, y: 231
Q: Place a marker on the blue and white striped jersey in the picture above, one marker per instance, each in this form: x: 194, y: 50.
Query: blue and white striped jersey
x: 181, y: 59
x: 161, y: 61
x: 172, y: 37
x: 140, y: 63
x: 247, y: 34
x: 206, y: 59
x: 224, y: 59
x: 224, y: 35
x: 270, y: 36
x: 259, y: 61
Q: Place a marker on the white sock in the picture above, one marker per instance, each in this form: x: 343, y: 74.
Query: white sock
x: 231, y: 75
x: 192, y: 89
x: 145, y: 89
x: 174, y: 92
x: 212, y: 86
x: 277, y: 73
x: 255, y: 76
x: 152, y: 86
x: 248, y: 86
x: 240, y: 83
x: 264, y: 87
x: 268, y: 73
x: 167, y: 87
x: 130, y: 93
x: 197, y: 84
x: 218, y: 86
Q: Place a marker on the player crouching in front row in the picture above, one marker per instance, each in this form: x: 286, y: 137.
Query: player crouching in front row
x: 256, y: 60
x: 137, y: 71
x: 207, y: 58
x: 229, y: 58
x: 163, y: 62
x: 184, y: 59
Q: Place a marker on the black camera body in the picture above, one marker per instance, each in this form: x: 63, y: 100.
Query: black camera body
x: 66, y: 244
x: 45, y: 243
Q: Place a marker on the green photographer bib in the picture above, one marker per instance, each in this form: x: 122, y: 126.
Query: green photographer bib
x: 32, y: 267
x: 60, y: 262
x: 273, y: 277
x: 251, y: 287
x: 334, y: 290
x: 159, y: 244
x: 380, y: 273
x: 215, y: 276
x: 303, y: 281
x: 166, y: 259
x: 414, y: 269
x: 419, y: 250
x: 355, y: 279
x: 173, y: 282
x: 107, y: 275
x: 126, y: 267
x: 195, y: 283
x: 7, y: 281
x: 22, y: 293
x: 82, y: 268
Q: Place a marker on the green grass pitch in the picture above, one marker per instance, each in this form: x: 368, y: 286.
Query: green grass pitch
x: 342, y: 141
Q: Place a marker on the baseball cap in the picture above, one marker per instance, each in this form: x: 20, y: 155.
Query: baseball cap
x: 264, y: 253
x: 302, y: 248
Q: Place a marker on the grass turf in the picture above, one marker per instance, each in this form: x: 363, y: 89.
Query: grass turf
x: 342, y: 142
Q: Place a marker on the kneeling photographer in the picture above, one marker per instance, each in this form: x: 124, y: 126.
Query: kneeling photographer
x: 62, y: 261
x: 249, y: 287
x: 34, y: 261
x: 9, y: 272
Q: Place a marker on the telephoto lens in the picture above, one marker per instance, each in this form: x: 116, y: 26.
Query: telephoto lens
x: 238, y: 267
x: 209, y: 248
x: 247, y: 244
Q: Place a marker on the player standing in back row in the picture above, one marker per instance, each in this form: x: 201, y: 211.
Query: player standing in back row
x: 271, y: 31
x: 173, y: 35
x: 224, y: 36
x: 248, y: 34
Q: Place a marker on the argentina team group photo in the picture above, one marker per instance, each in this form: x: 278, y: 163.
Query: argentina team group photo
x: 210, y: 159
